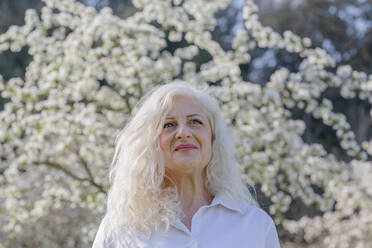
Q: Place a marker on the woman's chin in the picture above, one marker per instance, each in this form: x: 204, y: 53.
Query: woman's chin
x: 186, y: 164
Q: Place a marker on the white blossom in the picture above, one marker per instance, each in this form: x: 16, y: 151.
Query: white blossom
x: 86, y: 76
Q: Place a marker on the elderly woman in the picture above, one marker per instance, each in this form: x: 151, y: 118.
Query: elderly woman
x: 175, y: 181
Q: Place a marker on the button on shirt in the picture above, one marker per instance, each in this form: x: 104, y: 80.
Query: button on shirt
x: 224, y: 223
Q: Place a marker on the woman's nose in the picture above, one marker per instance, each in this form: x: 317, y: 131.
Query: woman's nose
x: 183, y: 131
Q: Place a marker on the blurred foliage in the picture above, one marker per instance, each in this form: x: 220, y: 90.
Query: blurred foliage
x: 343, y: 28
x: 12, y: 13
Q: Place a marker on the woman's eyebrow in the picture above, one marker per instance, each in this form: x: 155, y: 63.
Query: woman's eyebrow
x: 169, y: 117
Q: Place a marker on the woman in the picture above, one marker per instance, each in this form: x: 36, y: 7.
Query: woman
x: 175, y: 181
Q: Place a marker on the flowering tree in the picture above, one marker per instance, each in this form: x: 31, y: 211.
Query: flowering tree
x: 88, y: 71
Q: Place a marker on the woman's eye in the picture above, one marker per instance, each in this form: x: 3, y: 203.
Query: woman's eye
x: 195, y: 121
x: 168, y: 124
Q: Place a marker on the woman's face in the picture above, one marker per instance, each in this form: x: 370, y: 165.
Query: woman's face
x: 186, y: 138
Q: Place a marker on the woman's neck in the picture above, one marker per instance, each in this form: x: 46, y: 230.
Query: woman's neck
x: 192, y: 193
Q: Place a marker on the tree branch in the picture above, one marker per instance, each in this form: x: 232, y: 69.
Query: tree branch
x: 90, y: 175
x: 72, y: 175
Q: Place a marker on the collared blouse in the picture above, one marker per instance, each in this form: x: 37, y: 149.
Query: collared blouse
x: 222, y: 224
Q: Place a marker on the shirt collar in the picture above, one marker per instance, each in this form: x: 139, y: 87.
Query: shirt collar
x: 224, y: 199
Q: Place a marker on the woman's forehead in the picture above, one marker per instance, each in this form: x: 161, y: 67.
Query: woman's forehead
x: 188, y: 116
x: 187, y: 107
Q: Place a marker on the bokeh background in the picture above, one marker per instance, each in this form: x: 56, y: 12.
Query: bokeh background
x: 67, y: 89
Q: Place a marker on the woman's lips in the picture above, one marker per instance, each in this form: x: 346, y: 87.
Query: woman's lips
x: 183, y: 148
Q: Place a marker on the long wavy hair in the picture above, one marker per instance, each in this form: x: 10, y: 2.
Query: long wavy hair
x: 138, y: 200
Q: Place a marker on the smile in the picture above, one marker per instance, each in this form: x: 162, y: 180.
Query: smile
x: 185, y: 147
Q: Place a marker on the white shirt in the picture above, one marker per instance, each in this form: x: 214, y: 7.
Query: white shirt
x: 222, y: 224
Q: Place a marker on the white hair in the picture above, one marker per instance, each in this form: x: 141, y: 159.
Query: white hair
x: 138, y: 199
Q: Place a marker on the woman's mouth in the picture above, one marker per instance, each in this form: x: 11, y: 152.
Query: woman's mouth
x: 185, y: 147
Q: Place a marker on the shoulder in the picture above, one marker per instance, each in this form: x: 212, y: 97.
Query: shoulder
x: 258, y: 212
x: 249, y: 223
x: 263, y: 222
x: 259, y: 216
